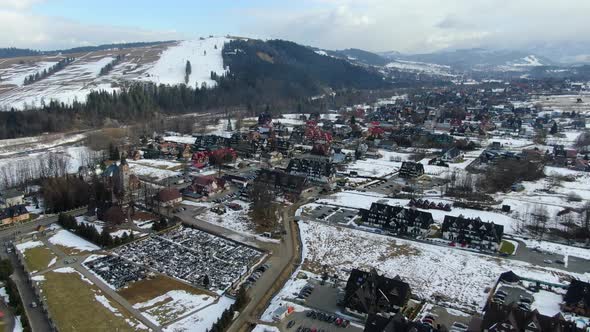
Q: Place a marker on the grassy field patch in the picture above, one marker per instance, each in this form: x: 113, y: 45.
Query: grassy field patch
x: 147, y: 289
x: 74, y: 305
x: 38, y: 258
x: 507, y: 247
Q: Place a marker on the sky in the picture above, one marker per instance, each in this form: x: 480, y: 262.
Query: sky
x: 410, y: 26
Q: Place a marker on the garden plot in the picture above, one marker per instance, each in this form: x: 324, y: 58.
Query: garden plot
x: 434, y: 272
x: 76, y: 304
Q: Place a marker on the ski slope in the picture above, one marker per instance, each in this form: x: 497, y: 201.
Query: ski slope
x: 204, y: 55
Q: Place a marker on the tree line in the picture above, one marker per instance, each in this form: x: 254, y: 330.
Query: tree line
x: 90, y: 233
x: 48, y: 72
x: 14, y: 299
x: 226, y: 318
x: 109, y: 66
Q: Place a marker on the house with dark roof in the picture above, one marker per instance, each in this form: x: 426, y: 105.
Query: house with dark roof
x: 315, y: 168
x: 168, y: 197
x: 452, y: 155
x: 11, y: 197
x: 12, y: 214
x: 577, y: 298
x: 486, y: 235
x: 397, y: 219
x: 510, y: 318
x: 289, y: 185
x: 411, y: 169
x: 369, y: 293
x: 206, y: 185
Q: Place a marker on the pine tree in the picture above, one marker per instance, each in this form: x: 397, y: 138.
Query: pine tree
x: 553, y: 129
x: 187, y: 71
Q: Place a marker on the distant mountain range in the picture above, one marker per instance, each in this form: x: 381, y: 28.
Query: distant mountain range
x: 548, y: 59
x: 279, y: 68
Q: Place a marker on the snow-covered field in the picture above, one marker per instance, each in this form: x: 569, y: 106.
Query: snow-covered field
x: 421, y: 67
x: 203, y: 319
x: 172, y: 305
x: 70, y: 240
x: 22, y: 247
x: 237, y: 221
x: 550, y: 194
x: 452, y: 275
x: 180, y: 139
x: 154, y: 173
x: 389, y: 163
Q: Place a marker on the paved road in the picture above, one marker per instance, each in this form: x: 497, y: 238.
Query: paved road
x: 283, y: 262
x: 37, y: 318
x: 115, y: 296
x: 8, y: 316
x: 9, y: 233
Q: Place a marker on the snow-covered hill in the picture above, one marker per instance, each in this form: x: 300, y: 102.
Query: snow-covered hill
x: 421, y: 67
x: 161, y: 64
x: 204, y: 56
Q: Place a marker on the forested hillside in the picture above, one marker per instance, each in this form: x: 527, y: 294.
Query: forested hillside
x: 277, y: 73
x: 278, y: 64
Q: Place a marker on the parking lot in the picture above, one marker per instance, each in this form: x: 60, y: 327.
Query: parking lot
x: 304, y: 320
x: 115, y: 271
x: 197, y: 257
x: 332, y: 214
x: 455, y: 320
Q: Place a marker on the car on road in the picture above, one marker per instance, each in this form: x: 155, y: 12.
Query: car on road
x: 559, y: 261
x: 290, y: 324
x: 33, y: 304
x: 548, y: 261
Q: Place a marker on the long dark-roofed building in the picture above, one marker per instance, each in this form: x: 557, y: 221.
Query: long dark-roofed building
x: 315, y: 168
x: 509, y: 318
x: 459, y: 229
x: 397, y: 219
x: 292, y: 186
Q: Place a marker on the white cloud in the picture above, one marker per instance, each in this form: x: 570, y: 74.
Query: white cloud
x: 22, y: 29
x: 424, y: 25
x: 18, y: 4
